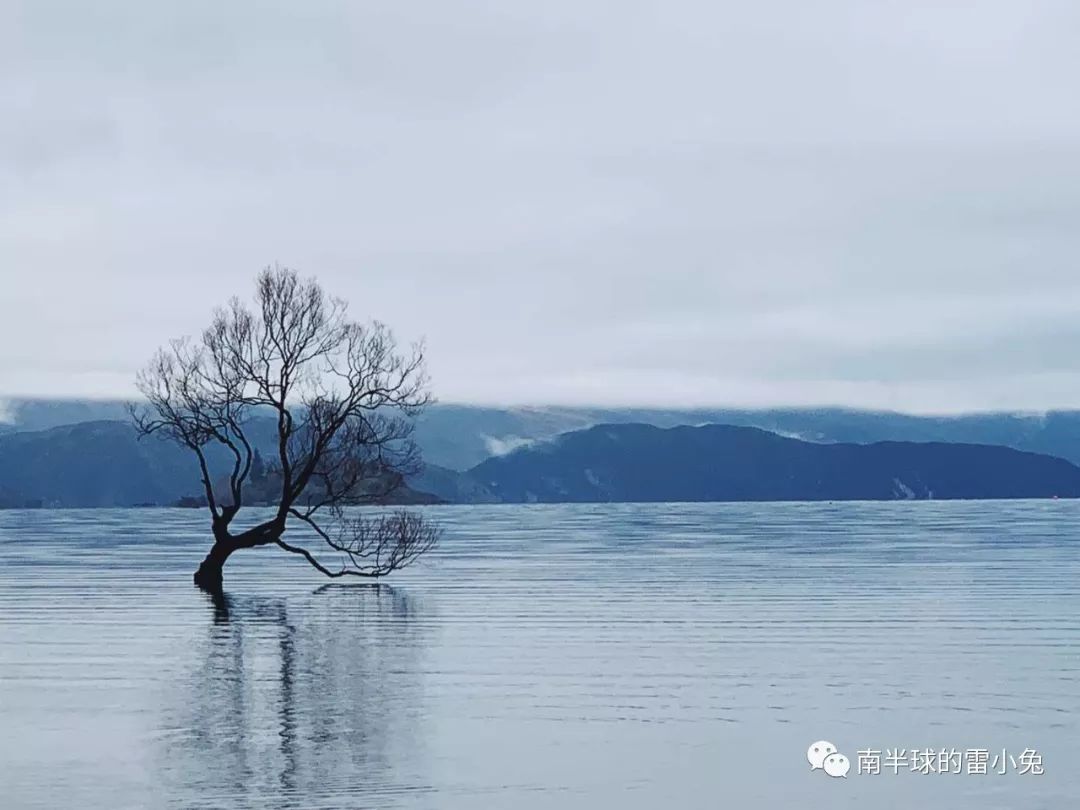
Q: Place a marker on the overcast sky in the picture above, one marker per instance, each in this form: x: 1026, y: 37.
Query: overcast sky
x: 574, y: 201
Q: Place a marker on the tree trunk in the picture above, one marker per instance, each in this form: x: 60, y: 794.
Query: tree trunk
x: 208, y: 576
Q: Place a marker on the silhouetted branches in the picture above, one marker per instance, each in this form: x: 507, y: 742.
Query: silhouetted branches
x: 342, y: 397
x: 372, y: 547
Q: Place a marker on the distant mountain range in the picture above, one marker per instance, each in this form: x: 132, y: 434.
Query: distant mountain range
x: 92, y: 464
x: 84, y: 453
x: 459, y: 437
x: 104, y: 463
x: 635, y: 463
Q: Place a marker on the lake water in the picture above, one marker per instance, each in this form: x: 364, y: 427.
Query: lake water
x: 629, y: 656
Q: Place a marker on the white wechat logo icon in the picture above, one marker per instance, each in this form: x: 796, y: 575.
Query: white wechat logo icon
x: 823, y: 756
x: 817, y: 752
x: 837, y: 765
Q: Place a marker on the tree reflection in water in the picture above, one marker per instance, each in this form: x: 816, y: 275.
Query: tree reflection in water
x: 302, y: 702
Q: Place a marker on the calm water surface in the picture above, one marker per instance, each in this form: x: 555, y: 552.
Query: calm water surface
x: 637, y: 656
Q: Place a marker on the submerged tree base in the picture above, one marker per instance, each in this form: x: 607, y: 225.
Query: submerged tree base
x: 209, y: 574
x: 209, y: 578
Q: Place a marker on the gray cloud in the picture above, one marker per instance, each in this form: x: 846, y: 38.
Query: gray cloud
x: 590, y: 201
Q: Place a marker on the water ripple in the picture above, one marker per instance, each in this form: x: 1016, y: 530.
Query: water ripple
x: 631, y: 656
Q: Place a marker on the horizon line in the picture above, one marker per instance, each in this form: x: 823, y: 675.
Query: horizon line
x: 535, y: 406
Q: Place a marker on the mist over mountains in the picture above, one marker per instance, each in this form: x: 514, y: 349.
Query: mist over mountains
x: 84, y: 452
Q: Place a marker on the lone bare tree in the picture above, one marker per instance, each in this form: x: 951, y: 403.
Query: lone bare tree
x: 342, y: 398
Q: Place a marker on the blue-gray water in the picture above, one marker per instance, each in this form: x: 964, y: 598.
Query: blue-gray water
x: 637, y: 656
